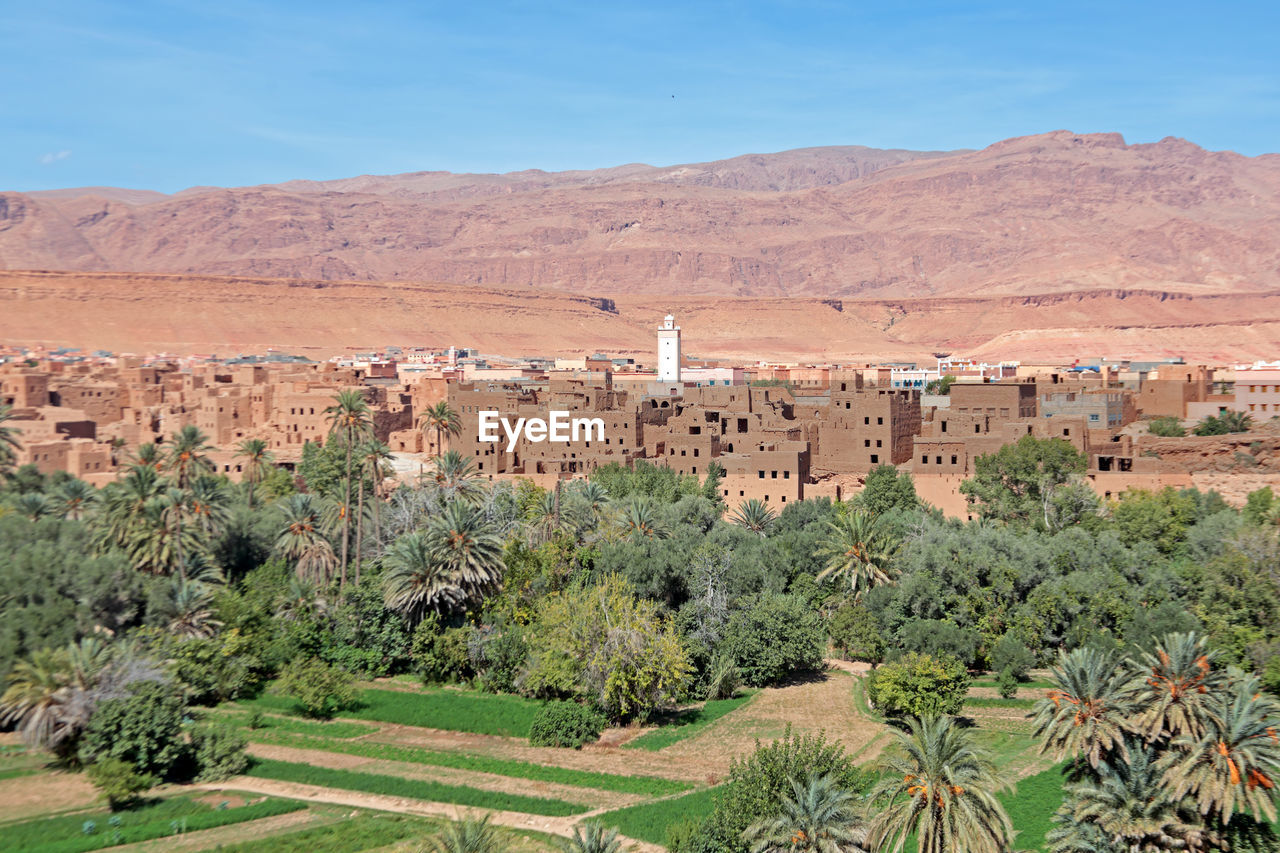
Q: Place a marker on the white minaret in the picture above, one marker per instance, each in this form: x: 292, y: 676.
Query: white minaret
x: 669, y: 350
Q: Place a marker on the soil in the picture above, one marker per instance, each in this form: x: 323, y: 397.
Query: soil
x: 44, y: 793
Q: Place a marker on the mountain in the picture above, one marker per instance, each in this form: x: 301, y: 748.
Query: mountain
x: 1020, y: 230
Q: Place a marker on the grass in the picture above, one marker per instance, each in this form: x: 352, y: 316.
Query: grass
x: 687, y: 724
x: 156, y: 820
x: 650, y: 821
x: 417, y: 789
x: 363, y: 832
x: 17, y: 773
x: 1031, y: 808
x: 322, y: 728
x: 1031, y: 684
x: 650, y: 786
x: 451, y: 710
x: 985, y: 702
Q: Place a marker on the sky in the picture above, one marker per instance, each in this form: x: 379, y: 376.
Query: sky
x: 168, y: 95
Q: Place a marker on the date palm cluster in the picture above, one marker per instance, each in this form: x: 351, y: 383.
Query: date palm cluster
x: 1168, y: 750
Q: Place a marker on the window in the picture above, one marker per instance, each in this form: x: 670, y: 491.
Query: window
x: 875, y: 458
x: 880, y: 421
x: 953, y: 459
x: 977, y: 427
x: 761, y: 475
x: 866, y: 421
x: 773, y: 475
x: 786, y: 475
x: 866, y: 442
x: 924, y: 460
x: 944, y: 426
x: 939, y: 460
x: 878, y: 442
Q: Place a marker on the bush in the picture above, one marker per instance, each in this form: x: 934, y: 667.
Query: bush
x: 941, y: 637
x: 1007, y: 683
x: 322, y: 690
x: 218, y: 753
x: 776, y: 636
x: 919, y: 685
x: 566, y: 724
x: 1167, y: 427
x: 440, y: 655
x: 143, y: 730
x: 498, y: 656
x: 119, y: 781
x: 1012, y: 654
x: 1271, y: 676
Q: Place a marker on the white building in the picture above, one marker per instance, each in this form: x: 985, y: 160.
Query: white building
x: 669, y: 350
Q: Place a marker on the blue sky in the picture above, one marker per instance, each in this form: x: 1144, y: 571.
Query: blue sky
x: 170, y: 95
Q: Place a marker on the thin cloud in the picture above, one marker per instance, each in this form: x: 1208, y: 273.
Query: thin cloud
x: 53, y: 157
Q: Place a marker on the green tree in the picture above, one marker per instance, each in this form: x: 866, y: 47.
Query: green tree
x: 592, y: 837
x: 443, y: 419
x: 1258, y: 506
x: 350, y: 420
x: 322, y: 690
x: 143, y: 728
x: 119, y: 781
x: 472, y: 835
x: 1017, y: 483
x: 1085, y: 714
x: 754, y: 515
x: 919, y: 685
x: 257, y: 462
x: 188, y: 456
x: 858, y: 549
x: 1161, y: 518
x: 819, y: 817
x: 774, y: 637
x: 467, y: 546
x: 939, y: 786
x: 302, y: 540
x: 886, y: 489
x: 9, y: 444
x: 1224, y: 424
x: 761, y: 782
x: 856, y: 632
x: 416, y: 581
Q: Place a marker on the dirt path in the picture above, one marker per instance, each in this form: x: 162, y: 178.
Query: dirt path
x: 562, y: 826
x: 473, y: 779
x: 43, y: 793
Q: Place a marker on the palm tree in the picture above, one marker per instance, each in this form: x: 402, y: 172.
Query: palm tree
x: 124, y: 502
x: 258, y: 459
x: 148, y: 455
x: 547, y: 518
x: 9, y: 444
x: 442, y: 419
x: 592, y: 838
x: 33, y: 506
x: 939, y: 786
x: 453, y: 475
x: 754, y: 515
x: 47, y: 698
x: 640, y: 518
x: 1173, y: 687
x: 209, y: 506
x: 1126, y: 809
x: 302, y: 539
x: 858, y: 549
x: 186, y: 459
x: 1235, y: 765
x: 351, y: 419
x: 372, y: 455
x: 465, y: 836
x: 466, y: 546
x: 75, y: 498
x: 190, y: 610
x: 415, y: 581
x: 1085, y: 714
x: 821, y: 818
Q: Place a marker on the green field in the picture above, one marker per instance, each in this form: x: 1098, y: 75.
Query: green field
x: 416, y: 789
x: 67, y: 834
x: 1032, y: 805
x: 364, y: 832
x: 649, y: 821
x: 650, y: 786
x: 293, y: 725
x: 451, y: 710
x: 687, y: 723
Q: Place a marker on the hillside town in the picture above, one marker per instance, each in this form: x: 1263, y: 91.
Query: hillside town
x: 779, y: 432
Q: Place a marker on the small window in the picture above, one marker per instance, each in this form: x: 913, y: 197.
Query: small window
x: 875, y: 458
x: 880, y: 421
x: 953, y: 459
x: 761, y: 475
x: 924, y: 460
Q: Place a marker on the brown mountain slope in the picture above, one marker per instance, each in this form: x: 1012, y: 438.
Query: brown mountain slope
x: 1045, y: 214
x: 141, y: 313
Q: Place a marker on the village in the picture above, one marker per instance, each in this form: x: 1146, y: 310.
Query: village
x: 779, y: 432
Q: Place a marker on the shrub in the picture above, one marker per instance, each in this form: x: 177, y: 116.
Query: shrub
x: 119, y: 781
x: 941, y: 637
x: 218, y: 753
x: 1012, y: 654
x: 1167, y: 427
x: 322, y: 690
x: 1007, y: 683
x: 919, y: 685
x: 566, y: 724
x: 143, y: 729
x: 1271, y: 676
x: 723, y: 679
x: 440, y: 655
x: 498, y: 656
x: 776, y: 636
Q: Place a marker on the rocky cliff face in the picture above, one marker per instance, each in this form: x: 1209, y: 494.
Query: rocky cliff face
x: 1044, y: 214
